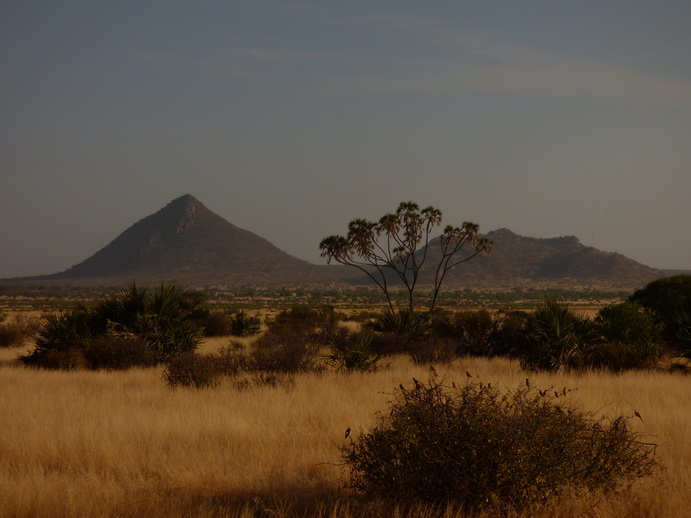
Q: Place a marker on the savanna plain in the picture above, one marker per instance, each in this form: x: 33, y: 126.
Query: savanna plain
x: 123, y: 443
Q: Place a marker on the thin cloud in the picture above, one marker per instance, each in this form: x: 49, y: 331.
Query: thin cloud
x: 519, y: 71
x: 448, y: 60
x: 473, y: 61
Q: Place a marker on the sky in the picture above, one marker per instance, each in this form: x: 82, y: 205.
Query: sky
x: 292, y: 118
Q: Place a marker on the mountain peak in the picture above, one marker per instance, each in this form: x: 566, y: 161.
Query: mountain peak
x: 187, y: 241
x: 186, y: 200
x: 183, y: 212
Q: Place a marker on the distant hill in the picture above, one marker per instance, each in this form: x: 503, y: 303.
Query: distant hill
x: 187, y: 242
x: 523, y: 261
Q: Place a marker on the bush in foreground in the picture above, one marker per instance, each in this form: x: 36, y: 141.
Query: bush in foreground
x: 475, y: 447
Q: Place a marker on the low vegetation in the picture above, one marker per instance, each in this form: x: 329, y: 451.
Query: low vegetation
x: 494, y: 442
x: 120, y: 443
x: 476, y: 447
x: 134, y: 327
x: 16, y: 330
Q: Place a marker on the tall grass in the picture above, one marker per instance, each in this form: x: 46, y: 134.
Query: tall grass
x: 83, y: 443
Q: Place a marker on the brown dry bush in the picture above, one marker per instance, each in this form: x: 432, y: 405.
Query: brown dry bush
x: 189, y: 369
x: 475, y: 447
x: 14, y: 331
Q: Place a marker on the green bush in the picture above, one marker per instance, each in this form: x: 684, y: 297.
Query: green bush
x: 480, y: 449
x: 511, y: 332
x: 224, y: 323
x: 669, y: 299
x: 166, y: 317
x: 631, y: 338
x: 353, y: 352
x: 472, y: 331
x: 557, y: 337
x: 413, y: 326
x: 189, y: 369
x: 244, y: 325
x: 681, y: 330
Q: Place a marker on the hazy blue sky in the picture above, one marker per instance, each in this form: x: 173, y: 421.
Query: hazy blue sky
x: 289, y: 119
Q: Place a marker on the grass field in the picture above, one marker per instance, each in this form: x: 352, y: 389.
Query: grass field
x: 124, y: 444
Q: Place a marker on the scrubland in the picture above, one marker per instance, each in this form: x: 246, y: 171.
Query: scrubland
x: 99, y: 443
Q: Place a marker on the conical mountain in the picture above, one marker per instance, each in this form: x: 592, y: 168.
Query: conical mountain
x: 188, y: 242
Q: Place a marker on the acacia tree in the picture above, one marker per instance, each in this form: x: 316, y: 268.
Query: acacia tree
x: 400, y: 244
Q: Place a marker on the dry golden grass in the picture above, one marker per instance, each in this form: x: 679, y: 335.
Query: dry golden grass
x: 124, y: 444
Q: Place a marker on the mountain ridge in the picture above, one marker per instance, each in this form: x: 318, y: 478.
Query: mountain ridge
x: 187, y: 242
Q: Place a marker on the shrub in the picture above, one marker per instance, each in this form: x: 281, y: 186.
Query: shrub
x: 189, y: 369
x: 631, y: 338
x: 681, y: 329
x: 10, y: 335
x: 477, y: 448
x: 225, y: 323
x: 166, y: 317
x: 230, y: 359
x: 56, y: 359
x: 413, y: 326
x: 218, y: 323
x: 352, y: 352
x: 388, y: 344
x: 14, y: 332
x: 669, y: 299
x: 243, y: 325
x: 557, y: 337
x: 292, y: 341
x: 511, y: 332
x: 314, y: 324
x: 433, y: 350
x: 119, y: 353
x: 471, y: 330
x: 283, y: 350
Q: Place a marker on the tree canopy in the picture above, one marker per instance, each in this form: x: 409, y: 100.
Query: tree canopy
x: 398, y: 246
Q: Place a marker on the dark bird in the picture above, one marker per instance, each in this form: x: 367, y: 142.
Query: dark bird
x: 468, y: 374
x: 635, y: 412
x: 527, y: 382
x: 347, y: 433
